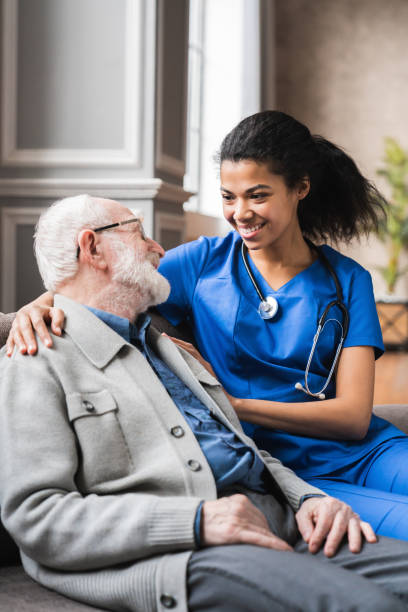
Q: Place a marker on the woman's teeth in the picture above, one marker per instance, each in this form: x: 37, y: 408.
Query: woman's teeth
x: 250, y: 230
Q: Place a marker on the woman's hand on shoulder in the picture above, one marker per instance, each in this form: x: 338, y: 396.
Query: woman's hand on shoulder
x: 190, y: 348
x: 35, y: 316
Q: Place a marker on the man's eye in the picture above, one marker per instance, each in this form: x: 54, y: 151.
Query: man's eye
x: 226, y: 197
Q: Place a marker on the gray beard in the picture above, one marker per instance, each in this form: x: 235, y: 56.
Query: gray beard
x: 136, y: 282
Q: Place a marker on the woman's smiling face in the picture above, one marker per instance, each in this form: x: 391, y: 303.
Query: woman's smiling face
x: 258, y: 204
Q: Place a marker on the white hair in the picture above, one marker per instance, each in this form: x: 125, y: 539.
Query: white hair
x: 56, y: 236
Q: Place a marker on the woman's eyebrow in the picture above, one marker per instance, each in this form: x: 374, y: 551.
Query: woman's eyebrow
x: 259, y: 186
x: 250, y: 189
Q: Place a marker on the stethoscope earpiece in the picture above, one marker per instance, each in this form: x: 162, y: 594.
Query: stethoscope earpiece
x: 300, y: 387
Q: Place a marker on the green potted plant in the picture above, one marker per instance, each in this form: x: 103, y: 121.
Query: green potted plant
x: 393, y: 231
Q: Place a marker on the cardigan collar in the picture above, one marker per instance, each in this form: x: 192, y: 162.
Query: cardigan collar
x: 96, y: 340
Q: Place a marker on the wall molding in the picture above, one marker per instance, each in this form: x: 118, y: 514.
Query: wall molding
x: 60, y: 187
x: 125, y: 189
x: 11, y: 218
x: 169, y: 192
x: 130, y: 155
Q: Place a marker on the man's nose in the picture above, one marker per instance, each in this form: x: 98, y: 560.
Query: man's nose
x: 155, y: 247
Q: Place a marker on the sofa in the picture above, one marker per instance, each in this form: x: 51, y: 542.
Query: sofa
x: 18, y: 593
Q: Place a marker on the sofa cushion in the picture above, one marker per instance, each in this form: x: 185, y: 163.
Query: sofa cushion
x: 18, y: 593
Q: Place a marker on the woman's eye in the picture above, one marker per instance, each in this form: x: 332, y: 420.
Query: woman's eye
x: 258, y: 196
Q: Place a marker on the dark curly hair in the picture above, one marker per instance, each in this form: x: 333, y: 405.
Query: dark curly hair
x: 341, y: 204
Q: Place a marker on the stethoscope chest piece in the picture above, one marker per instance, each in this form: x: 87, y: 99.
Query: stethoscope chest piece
x: 268, y: 307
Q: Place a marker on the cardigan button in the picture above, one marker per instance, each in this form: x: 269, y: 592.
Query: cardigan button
x: 177, y: 431
x: 168, y: 601
x: 89, y: 407
x: 194, y: 465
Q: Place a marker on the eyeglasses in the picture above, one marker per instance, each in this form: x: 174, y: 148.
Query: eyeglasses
x: 112, y: 225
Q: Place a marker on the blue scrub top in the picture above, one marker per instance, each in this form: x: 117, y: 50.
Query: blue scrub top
x: 264, y: 359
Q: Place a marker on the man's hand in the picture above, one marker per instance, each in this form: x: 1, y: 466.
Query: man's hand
x: 328, y: 519
x: 35, y: 315
x: 235, y: 520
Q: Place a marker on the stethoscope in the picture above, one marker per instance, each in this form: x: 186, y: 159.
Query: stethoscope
x: 268, y: 307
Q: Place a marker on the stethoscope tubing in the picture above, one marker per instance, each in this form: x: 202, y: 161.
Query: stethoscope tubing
x: 322, y: 319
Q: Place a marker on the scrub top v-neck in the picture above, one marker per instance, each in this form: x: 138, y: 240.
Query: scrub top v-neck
x: 254, y: 358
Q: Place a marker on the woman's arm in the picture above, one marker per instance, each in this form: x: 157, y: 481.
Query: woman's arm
x: 347, y: 416
x: 34, y: 316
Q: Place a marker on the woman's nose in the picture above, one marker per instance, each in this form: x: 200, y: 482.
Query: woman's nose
x: 242, y: 210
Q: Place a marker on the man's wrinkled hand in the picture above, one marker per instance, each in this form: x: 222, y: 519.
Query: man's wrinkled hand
x: 326, y: 520
x: 35, y: 316
x: 235, y: 520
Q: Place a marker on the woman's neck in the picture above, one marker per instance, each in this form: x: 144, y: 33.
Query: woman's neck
x: 279, y: 264
x: 294, y: 253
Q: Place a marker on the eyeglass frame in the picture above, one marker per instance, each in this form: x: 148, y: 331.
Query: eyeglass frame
x: 112, y: 225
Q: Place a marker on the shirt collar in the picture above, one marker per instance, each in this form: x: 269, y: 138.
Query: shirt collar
x: 132, y: 333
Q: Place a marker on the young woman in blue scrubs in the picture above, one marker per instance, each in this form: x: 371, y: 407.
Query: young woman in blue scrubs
x: 281, y: 187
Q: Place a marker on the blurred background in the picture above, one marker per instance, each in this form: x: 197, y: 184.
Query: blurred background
x: 130, y: 99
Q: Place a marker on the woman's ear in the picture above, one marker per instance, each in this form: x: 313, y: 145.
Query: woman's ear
x: 303, y: 187
x: 90, y: 249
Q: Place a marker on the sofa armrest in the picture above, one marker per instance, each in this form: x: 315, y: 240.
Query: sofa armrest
x: 397, y: 414
x: 5, y: 325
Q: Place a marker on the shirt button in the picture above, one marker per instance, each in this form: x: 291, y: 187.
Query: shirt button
x: 194, y: 465
x: 89, y: 407
x: 177, y: 431
x: 168, y: 601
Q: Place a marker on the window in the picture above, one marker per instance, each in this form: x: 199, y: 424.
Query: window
x: 224, y: 58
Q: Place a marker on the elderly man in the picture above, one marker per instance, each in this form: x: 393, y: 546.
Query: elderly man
x: 126, y: 479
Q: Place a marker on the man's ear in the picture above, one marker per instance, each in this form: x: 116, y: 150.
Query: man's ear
x: 90, y: 249
x: 303, y: 187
